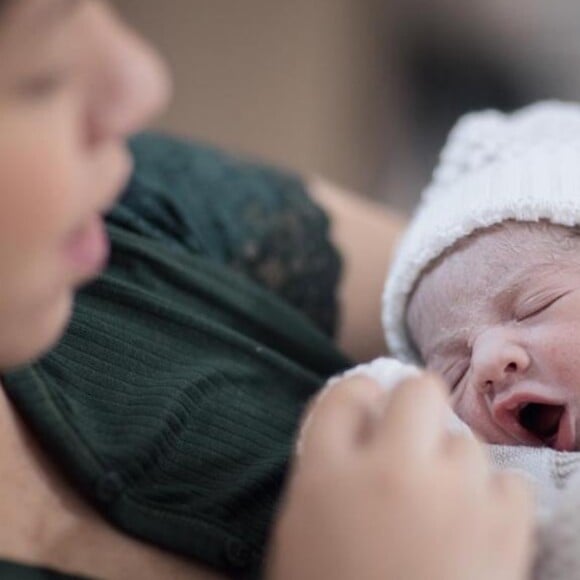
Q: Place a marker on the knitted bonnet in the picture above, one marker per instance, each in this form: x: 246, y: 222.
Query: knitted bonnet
x: 494, y: 167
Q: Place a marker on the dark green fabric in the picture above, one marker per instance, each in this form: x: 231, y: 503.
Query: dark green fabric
x: 250, y: 217
x: 173, y: 399
x: 13, y: 571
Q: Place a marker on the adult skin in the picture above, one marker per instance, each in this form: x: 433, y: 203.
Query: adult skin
x: 74, y: 84
x: 366, y: 234
x: 392, y: 494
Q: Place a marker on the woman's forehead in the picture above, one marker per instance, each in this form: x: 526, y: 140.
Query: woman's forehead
x: 35, y: 17
x: 48, y: 13
x: 34, y: 33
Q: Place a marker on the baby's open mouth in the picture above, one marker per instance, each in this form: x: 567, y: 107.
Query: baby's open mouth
x: 550, y: 424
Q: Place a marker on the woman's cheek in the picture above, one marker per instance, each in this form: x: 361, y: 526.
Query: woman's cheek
x: 45, y: 201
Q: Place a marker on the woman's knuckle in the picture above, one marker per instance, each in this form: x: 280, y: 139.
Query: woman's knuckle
x: 515, y: 490
x: 464, y: 448
x: 397, y: 479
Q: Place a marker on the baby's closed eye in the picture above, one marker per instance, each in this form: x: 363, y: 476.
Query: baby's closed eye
x: 455, y: 373
x: 536, y: 304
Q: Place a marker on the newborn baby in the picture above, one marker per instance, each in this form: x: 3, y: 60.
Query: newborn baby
x: 485, y: 290
x: 498, y: 316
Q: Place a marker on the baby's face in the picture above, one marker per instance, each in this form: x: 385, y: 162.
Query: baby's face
x: 499, y: 318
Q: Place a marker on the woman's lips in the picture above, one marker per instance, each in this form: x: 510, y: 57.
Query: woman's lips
x: 88, y: 248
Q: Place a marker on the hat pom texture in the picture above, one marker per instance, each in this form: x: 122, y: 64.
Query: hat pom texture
x: 523, y: 166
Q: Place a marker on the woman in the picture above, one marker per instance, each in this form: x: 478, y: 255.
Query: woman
x: 171, y: 403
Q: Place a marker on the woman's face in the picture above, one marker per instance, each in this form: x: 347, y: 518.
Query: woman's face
x: 74, y: 84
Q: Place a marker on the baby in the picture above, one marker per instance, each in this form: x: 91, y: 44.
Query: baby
x: 485, y: 290
x: 499, y: 319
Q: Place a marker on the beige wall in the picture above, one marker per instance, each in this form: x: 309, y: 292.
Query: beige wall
x: 299, y: 83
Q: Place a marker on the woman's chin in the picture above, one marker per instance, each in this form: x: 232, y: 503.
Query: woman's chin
x: 31, y: 341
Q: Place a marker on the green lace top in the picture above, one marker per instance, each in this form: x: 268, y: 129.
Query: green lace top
x: 174, y: 398
x: 254, y: 219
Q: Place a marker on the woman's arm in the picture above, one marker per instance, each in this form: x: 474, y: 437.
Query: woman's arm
x: 365, y: 233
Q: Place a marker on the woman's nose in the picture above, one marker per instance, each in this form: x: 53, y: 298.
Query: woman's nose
x: 497, y: 361
x: 130, y: 83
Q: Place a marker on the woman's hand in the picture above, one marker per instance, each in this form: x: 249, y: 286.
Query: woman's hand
x: 382, y: 490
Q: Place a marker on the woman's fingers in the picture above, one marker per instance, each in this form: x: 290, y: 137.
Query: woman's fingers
x: 468, y: 455
x: 339, y: 419
x: 514, y: 491
x: 415, y: 417
x: 386, y: 462
x: 512, y: 500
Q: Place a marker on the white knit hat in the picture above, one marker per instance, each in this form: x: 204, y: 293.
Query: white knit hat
x: 523, y: 166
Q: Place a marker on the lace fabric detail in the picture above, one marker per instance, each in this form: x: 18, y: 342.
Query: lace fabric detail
x: 287, y: 250
x: 255, y: 219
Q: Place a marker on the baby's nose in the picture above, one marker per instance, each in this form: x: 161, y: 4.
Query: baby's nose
x: 497, y: 361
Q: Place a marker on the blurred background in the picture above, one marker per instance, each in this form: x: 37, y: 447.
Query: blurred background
x: 362, y: 92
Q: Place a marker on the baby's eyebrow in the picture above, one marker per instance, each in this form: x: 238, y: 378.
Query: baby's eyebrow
x: 510, y: 292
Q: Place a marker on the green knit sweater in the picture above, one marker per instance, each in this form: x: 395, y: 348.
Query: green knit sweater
x: 174, y: 397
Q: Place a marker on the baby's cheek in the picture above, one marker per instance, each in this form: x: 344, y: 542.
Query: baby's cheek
x: 557, y: 353
x: 474, y: 415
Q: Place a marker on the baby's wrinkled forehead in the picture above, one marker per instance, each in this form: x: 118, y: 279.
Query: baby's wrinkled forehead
x: 484, y: 270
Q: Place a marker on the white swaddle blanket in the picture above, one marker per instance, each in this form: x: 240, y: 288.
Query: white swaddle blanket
x: 555, y: 477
